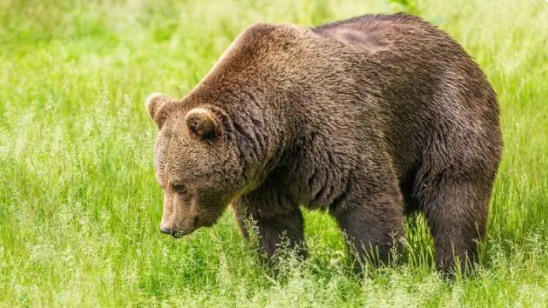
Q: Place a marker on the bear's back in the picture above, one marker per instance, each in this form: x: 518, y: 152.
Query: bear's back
x: 374, y: 32
x: 424, y: 81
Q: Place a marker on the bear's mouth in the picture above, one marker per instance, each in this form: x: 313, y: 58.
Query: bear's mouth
x: 175, y: 233
x: 181, y: 229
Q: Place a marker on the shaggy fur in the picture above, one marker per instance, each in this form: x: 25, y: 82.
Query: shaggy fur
x: 366, y: 119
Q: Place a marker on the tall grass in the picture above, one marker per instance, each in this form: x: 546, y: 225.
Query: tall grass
x: 79, y: 207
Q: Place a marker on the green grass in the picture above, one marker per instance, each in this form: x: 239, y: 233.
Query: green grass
x: 80, y: 209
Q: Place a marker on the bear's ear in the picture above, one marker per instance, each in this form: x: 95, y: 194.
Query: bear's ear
x: 202, y: 123
x: 154, y: 102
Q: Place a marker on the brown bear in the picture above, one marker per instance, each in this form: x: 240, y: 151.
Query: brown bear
x: 367, y: 118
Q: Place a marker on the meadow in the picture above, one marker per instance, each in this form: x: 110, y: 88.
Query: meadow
x: 80, y: 208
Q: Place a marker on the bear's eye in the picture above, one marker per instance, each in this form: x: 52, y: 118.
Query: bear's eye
x: 180, y: 189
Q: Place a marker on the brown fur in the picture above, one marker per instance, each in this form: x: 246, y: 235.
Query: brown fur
x: 364, y: 118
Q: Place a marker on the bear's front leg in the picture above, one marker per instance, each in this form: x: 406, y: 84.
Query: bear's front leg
x: 288, y: 227
x: 370, y: 215
x: 370, y: 234
x: 278, y: 221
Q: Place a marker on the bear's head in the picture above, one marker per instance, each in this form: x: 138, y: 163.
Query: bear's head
x: 196, y: 164
x: 224, y: 137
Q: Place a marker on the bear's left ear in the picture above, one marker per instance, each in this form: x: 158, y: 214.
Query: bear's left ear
x: 154, y: 102
x: 202, y: 123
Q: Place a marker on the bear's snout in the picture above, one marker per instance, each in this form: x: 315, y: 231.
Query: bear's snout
x: 172, y: 232
x: 166, y: 230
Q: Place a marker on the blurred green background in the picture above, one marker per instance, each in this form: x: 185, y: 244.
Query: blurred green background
x: 80, y: 209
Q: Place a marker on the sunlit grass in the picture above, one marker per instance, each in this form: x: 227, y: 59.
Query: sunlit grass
x: 79, y: 207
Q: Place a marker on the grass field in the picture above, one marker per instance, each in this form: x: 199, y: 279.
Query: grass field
x: 80, y: 209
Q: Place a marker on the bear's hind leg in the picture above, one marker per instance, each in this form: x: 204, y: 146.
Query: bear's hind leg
x: 456, y: 211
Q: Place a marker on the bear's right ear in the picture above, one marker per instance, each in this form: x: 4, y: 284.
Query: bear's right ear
x: 153, y: 104
x: 202, y: 123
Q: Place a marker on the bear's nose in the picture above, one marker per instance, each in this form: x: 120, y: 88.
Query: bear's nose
x: 174, y: 233
x: 166, y: 230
